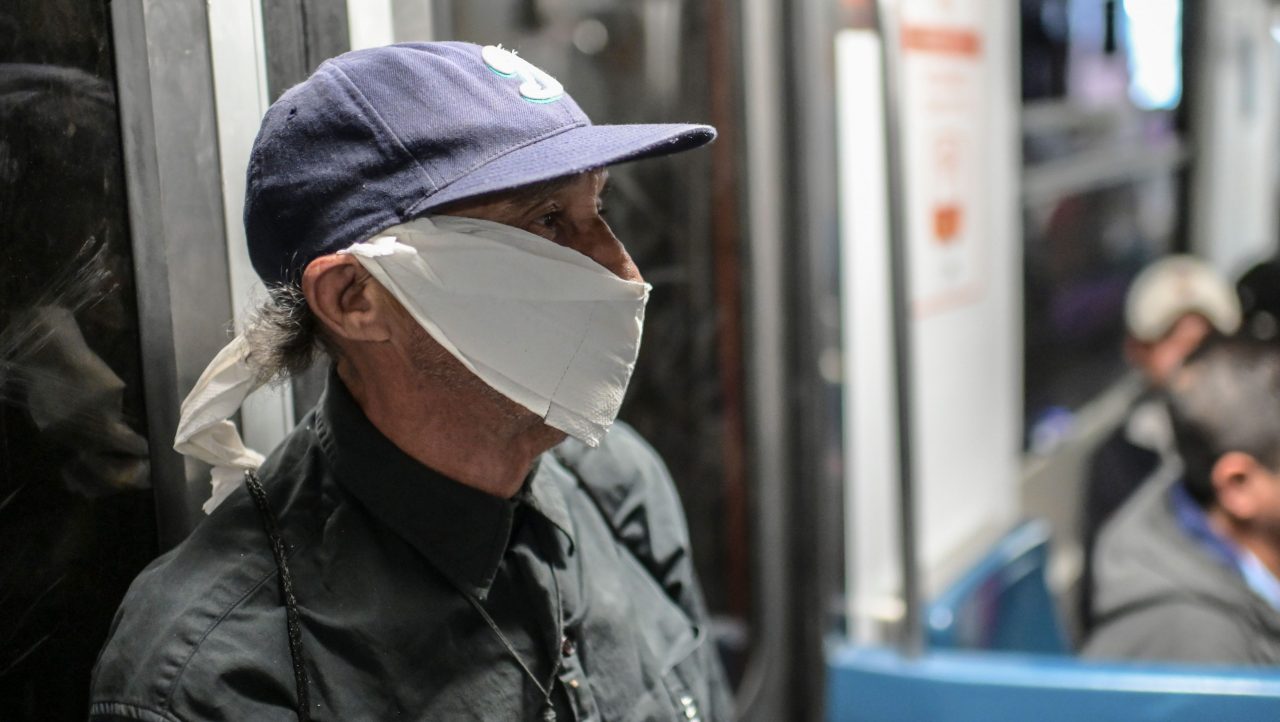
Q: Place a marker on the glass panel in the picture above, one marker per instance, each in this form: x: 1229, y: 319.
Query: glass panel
x: 76, y: 516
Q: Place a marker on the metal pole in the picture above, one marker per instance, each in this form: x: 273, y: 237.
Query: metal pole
x: 174, y: 186
x: 911, y: 639
x: 763, y: 693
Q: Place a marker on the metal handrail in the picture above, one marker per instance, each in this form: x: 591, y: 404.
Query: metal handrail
x: 911, y: 636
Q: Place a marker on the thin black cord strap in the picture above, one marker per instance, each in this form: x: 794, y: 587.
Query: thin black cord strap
x: 286, y: 593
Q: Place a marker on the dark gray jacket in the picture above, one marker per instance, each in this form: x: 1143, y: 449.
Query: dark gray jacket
x: 1160, y: 595
x: 587, y: 567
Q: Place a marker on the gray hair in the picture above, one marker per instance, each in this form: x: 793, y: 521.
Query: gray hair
x: 1225, y: 397
x: 284, y: 335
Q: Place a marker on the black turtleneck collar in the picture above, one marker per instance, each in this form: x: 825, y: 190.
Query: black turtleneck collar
x: 462, y: 531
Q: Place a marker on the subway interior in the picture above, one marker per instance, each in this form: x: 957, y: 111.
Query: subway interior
x: 887, y: 331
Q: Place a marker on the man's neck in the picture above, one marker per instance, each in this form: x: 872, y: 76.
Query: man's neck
x: 470, y: 436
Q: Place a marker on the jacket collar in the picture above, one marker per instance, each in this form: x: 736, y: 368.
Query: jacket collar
x: 1195, y: 523
x: 462, y: 531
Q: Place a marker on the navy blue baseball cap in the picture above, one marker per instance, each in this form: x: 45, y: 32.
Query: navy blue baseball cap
x: 378, y: 137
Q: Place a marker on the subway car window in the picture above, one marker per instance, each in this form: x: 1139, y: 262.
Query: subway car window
x: 1104, y: 158
x: 77, y: 520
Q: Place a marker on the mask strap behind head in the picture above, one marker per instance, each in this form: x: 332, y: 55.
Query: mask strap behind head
x: 205, y: 430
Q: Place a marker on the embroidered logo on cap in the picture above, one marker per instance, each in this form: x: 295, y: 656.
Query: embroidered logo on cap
x: 535, y: 86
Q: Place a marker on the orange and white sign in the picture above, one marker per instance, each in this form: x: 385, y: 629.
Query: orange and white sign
x: 942, y: 115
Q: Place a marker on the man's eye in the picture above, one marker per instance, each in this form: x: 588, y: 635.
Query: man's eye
x: 602, y: 210
x: 548, y: 220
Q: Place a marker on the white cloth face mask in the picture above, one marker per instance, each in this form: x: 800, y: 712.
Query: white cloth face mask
x: 546, y: 326
x: 542, y: 324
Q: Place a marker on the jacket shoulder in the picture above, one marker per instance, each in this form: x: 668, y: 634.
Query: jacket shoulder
x: 173, y: 606
x: 1159, y: 595
x: 181, y: 618
x: 636, y: 495
x: 633, y: 488
x: 1174, y: 630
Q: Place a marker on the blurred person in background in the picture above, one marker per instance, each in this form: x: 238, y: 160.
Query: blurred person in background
x: 1172, y: 306
x: 1187, y: 571
x: 427, y: 544
x: 1259, y: 291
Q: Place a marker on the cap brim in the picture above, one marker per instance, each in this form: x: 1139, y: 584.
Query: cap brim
x: 573, y: 151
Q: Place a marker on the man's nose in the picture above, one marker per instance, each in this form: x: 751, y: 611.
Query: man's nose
x: 597, y: 242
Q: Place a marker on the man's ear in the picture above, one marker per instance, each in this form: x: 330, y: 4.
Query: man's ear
x: 346, y: 299
x: 1236, y: 478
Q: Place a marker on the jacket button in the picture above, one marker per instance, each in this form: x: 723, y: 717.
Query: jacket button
x: 566, y: 647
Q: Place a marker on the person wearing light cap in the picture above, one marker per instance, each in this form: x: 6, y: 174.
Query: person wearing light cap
x: 1172, y: 306
x: 459, y: 529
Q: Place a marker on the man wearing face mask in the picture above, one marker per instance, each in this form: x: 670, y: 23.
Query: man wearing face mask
x: 427, y: 544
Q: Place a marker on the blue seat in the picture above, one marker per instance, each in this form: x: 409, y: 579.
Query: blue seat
x: 1003, y: 603
x: 878, y: 685
x: 998, y: 652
